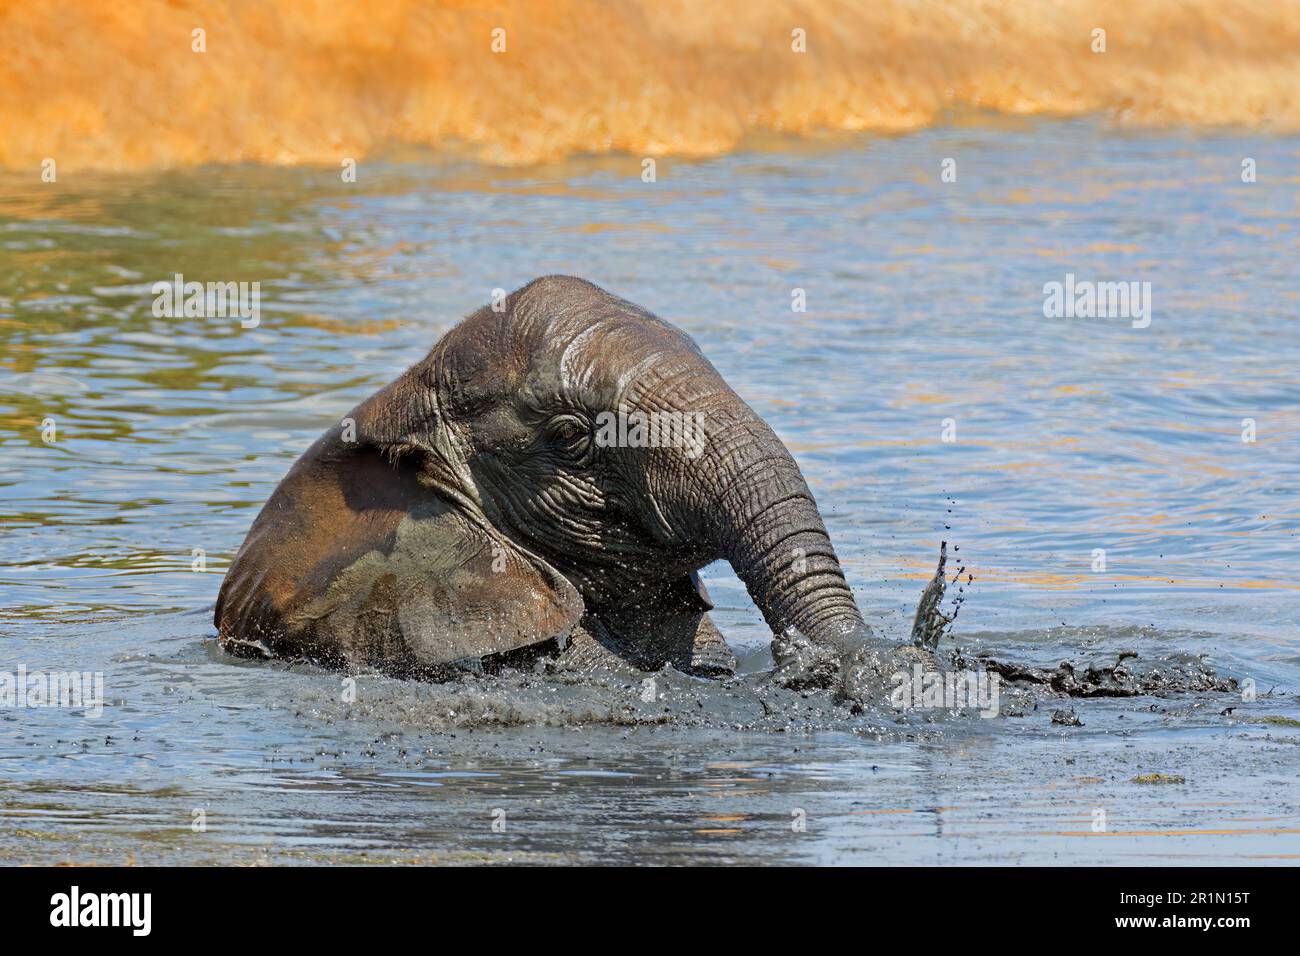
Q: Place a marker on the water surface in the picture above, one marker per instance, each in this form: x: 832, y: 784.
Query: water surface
x: 924, y: 303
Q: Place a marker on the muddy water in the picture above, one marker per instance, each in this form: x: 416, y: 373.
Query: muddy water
x: 924, y: 304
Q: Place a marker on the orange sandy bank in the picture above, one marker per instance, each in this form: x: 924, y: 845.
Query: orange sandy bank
x: 118, y: 85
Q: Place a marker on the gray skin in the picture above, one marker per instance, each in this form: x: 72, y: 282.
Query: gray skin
x: 467, y: 511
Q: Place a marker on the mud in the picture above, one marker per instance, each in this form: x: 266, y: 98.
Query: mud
x: 666, y: 698
x: 1129, y: 676
x: 852, y: 697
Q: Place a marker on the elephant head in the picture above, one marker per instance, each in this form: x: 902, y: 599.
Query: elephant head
x: 554, y: 472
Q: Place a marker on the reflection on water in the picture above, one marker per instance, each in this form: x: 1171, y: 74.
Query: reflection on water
x: 924, y: 304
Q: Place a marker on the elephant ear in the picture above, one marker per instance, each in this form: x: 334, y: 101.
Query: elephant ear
x: 359, y: 558
x: 441, y: 588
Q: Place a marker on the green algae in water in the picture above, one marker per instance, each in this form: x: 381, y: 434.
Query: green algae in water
x: 1280, y: 721
x: 1156, y: 778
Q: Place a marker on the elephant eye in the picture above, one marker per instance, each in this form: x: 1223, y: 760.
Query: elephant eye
x: 569, y: 432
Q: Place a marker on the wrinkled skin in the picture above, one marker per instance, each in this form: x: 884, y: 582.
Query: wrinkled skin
x: 468, y: 511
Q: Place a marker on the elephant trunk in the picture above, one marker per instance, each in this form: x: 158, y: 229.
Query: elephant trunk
x: 765, y: 522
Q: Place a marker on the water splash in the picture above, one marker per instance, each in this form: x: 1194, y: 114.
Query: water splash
x: 96, y: 85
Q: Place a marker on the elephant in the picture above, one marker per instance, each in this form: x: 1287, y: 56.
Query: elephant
x: 546, y: 484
